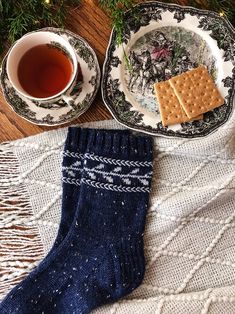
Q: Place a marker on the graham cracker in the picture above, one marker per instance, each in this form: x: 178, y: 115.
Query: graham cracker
x: 196, y: 91
x: 170, y: 108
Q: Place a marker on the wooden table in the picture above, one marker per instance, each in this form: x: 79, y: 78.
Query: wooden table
x: 90, y: 22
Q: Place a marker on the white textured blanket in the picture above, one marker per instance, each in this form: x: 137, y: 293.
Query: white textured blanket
x: 190, y: 231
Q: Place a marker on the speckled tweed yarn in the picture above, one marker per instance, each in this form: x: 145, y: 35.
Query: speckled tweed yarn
x: 189, y: 234
x: 101, y: 259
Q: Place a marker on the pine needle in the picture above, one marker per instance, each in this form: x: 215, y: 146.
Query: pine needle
x: 21, y: 16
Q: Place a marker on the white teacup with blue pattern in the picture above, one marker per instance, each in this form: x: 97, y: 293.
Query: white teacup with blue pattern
x: 21, y: 49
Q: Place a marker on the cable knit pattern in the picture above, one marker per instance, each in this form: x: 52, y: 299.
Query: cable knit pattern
x: 189, y: 238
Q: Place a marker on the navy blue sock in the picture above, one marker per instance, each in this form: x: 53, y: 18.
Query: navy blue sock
x: 71, y: 171
x: 101, y: 259
x: 75, y: 148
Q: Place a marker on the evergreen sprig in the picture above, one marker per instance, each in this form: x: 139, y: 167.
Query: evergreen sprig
x: 20, y: 16
x: 116, y: 9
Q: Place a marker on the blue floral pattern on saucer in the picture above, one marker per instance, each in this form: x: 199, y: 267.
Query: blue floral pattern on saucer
x: 82, y: 94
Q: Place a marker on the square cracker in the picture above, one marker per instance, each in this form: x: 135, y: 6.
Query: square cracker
x: 196, y: 91
x: 169, y: 105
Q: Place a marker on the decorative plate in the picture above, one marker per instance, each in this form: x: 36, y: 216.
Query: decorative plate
x: 166, y: 40
x: 59, y: 112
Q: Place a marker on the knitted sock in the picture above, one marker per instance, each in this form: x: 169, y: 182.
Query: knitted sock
x: 71, y: 172
x: 74, y: 150
x: 101, y: 259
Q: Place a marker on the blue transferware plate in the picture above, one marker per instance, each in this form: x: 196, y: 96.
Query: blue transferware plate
x: 164, y: 41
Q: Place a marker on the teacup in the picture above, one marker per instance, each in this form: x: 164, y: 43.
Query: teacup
x: 42, y: 66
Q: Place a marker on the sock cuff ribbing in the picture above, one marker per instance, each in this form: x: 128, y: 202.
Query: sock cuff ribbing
x: 111, y: 143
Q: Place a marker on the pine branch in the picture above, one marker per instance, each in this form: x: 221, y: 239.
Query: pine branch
x: 116, y: 9
x: 20, y: 16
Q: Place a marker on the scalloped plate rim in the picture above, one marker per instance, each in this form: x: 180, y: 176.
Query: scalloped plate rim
x: 94, y: 94
x: 140, y: 128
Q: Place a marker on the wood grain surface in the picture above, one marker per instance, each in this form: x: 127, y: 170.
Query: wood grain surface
x: 90, y: 22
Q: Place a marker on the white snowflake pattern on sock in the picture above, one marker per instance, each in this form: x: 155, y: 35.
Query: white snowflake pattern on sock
x: 136, y: 170
x: 127, y: 181
x: 92, y: 175
x: 100, y: 166
x: 109, y: 179
x: 144, y: 182
x: 117, y: 169
x: 77, y: 163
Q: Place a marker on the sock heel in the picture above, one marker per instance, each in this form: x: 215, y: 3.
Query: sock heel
x: 129, y: 265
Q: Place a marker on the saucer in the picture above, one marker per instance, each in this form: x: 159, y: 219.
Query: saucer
x: 59, y: 112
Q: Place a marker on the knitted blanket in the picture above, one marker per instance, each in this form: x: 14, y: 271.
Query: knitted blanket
x: 189, y: 238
